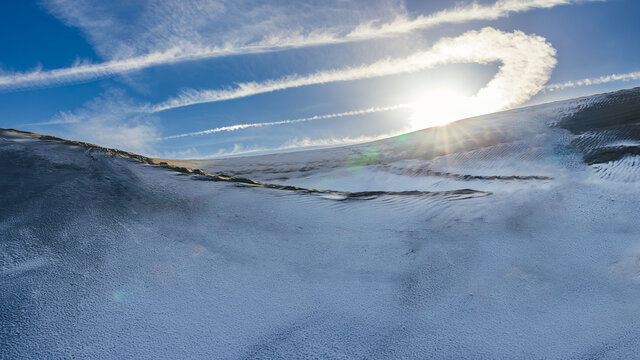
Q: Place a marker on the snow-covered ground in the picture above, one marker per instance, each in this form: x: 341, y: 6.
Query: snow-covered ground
x: 106, y: 257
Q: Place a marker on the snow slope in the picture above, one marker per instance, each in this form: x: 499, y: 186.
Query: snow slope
x: 512, y: 235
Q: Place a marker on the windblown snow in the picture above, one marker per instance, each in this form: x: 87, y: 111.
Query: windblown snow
x: 512, y: 235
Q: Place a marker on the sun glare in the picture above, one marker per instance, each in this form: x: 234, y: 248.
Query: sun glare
x: 439, y: 108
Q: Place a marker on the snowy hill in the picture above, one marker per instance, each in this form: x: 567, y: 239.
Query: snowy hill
x: 511, y: 235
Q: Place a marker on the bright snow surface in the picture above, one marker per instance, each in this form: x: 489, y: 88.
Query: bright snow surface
x: 106, y: 257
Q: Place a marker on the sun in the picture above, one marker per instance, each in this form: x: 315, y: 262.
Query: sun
x: 437, y: 108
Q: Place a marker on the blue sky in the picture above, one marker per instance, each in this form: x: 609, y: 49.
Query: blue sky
x: 198, y: 79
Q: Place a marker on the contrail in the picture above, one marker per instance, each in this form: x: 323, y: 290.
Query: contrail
x: 300, y: 143
x: 282, y: 122
x: 594, y: 81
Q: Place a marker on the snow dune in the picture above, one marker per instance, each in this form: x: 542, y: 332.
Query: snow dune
x: 512, y: 235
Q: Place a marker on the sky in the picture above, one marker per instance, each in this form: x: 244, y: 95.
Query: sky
x: 194, y: 79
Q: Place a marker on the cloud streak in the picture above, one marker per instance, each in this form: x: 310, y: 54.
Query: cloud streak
x: 184, y: 50
x: 456, y: 15
x: 594, y: 81
x: 286, y: 122
x: 85, y: 72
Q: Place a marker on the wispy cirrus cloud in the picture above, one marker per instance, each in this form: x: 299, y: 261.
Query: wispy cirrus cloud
x: 526, y: 65
x: 594, y: 81
x: 177, y: 31
x: 109, y: 120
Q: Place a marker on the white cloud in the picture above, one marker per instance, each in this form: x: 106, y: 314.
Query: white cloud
x: 108, y: 121
x: 120, y: 29
x: 527, y: 62
x: 174, y: 31
x: 594, y: 81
